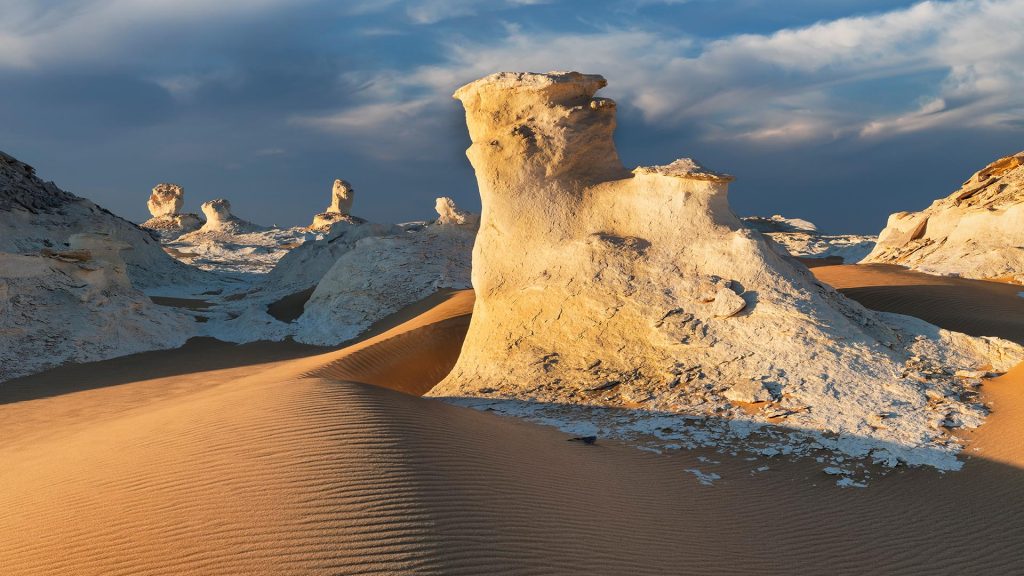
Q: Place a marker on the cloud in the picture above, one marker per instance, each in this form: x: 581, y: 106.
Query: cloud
x: 433, y: 11
x: 35, y: 34
x: 844, y: 78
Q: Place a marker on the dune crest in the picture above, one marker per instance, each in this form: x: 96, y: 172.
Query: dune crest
x: 597, y: 285
x: 975, y: 232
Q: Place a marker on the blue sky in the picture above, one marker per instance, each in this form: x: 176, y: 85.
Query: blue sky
x: 839, y: 112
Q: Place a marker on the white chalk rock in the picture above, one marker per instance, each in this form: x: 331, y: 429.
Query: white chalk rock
x: 976, y: 232
x: 449, y: 213
x: 164, y: 205
x: 592, y: 287
x: 340, y: 210
x: 166, y: 200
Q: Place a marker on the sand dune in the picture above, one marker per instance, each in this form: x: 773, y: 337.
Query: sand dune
x: 274, y: 465
x: 976, y: 307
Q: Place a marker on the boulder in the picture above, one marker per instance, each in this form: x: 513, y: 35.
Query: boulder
x: 975, y: 232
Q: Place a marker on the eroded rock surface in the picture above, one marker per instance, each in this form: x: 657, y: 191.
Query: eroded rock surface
x: 975, y: 232
x: 596, y: 285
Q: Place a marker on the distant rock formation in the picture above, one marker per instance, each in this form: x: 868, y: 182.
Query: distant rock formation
x: 353, y: 275
x: 975, y: 232
x: 597, y: 285
x: 37, y: 215
x: 802, y: 239
x: 165, y: 207
x: 220, y: 221
x: 340, y: 210
x: 450, y: 214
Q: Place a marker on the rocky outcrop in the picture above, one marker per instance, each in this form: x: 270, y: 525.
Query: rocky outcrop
x: 164, y: 205
x: 450, y: 214
x: 975, y: 232
x: 77, y: 305
x: 340, y: 210
x: 597, y: 285
x: 37, y: 215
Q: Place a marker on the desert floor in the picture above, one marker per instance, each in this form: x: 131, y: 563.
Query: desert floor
x: 288, y: 459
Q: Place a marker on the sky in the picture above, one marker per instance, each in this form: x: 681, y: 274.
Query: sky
x: 839, y: 111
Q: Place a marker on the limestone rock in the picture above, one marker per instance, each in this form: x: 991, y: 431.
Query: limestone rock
x: 55, y: 310
x: 975, y: 232
x: 750, y: 392
x: 597, y: 285
x: 340, y: 210
x: 221, y: 222
x: 449, y: 213
x: 37, y: 215
x: 164, y: 205
x: 166, y: 200
x: 342, y: 197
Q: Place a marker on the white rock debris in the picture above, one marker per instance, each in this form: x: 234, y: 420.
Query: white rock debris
x: 593, y: 288
x: 975, y: 232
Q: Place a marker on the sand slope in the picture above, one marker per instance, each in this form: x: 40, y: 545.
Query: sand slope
x: 267, y: 465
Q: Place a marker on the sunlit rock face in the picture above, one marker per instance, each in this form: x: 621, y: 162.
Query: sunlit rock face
x: 340, y: 210
x: 599, y: 285
x: 164, y: 205
x: 976, y: 232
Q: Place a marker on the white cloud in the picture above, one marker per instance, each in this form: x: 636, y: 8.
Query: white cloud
x: 792, y: 85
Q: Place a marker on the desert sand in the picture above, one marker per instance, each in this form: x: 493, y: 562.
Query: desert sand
x: 276, y: 460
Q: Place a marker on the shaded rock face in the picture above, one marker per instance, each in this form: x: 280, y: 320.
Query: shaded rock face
x: 37, y: 215
x: 597, y: 285
x: 164, y: 205
x: 975, y: 232
x: 340, y: 210
x: 450, y: 214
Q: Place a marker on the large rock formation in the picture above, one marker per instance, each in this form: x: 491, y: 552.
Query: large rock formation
x: 340, y: 210
x: 164, y: 205
x: 36, y: 215
x: 597, y: 285
x: 975, y: 232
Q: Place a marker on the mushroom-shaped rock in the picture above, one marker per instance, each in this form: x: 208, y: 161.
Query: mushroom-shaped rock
x: 587, y: 274
x: 340, y: 210
x: 976, y: 232
x: 217, y: 212
x: 449, y: 213
x: 166, y: 200
x: 164, y: 205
